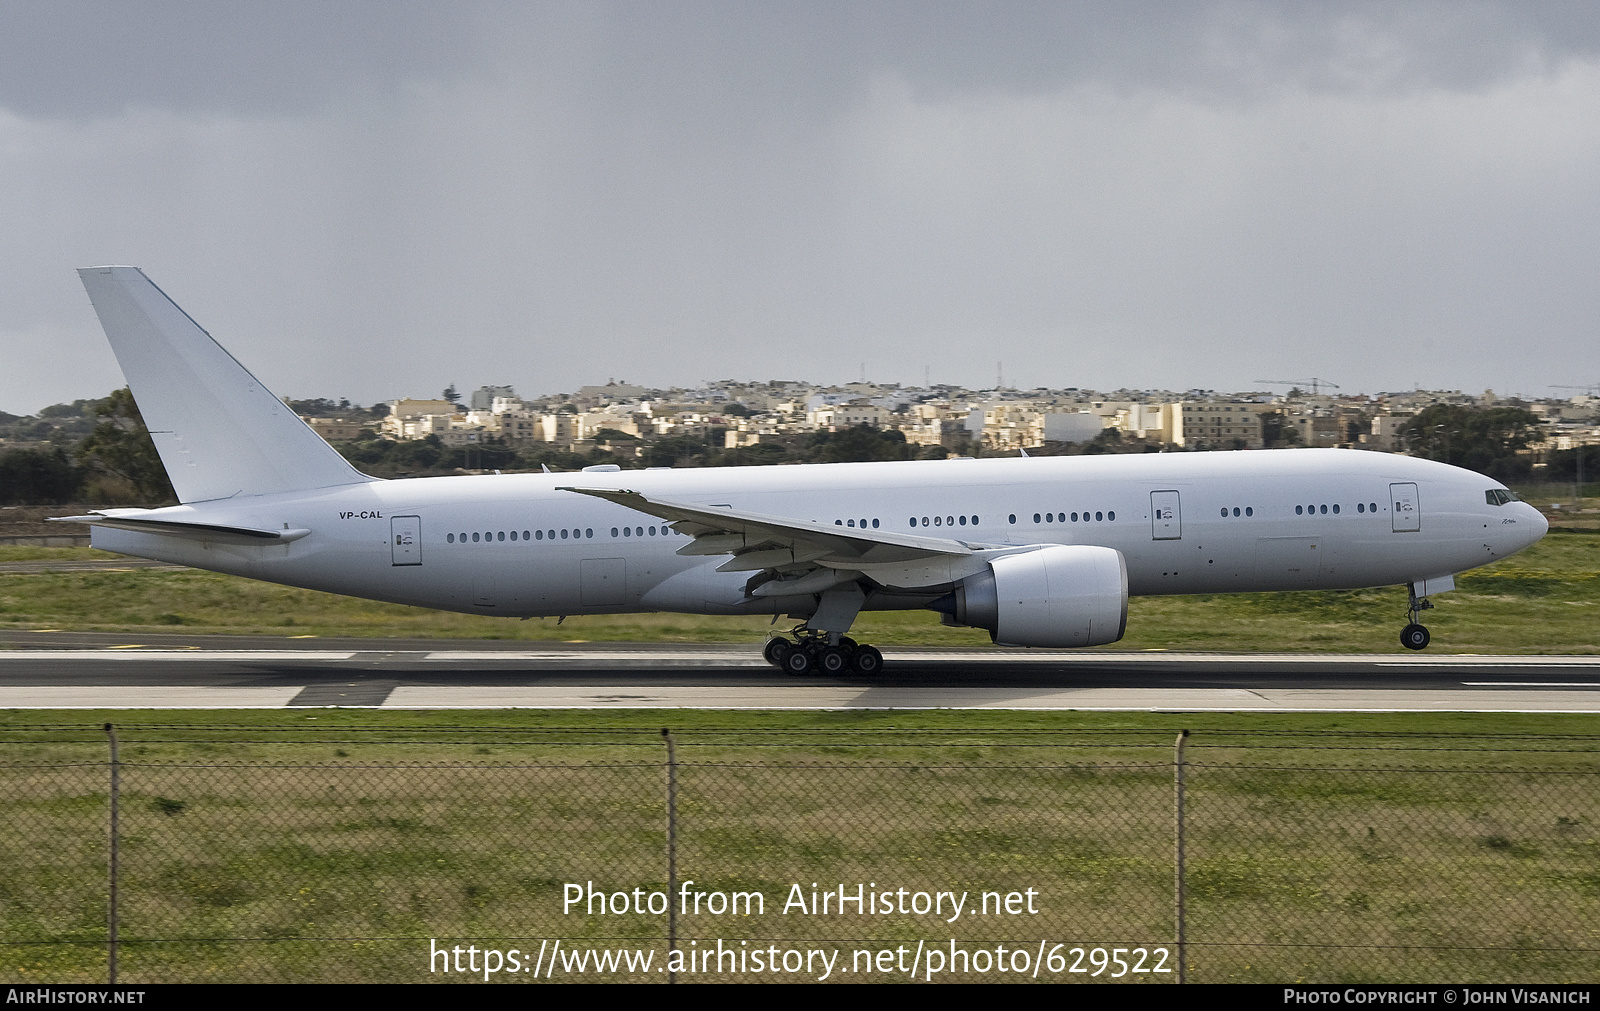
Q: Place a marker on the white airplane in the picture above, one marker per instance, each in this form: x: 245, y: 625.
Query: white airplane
x: 1040, y: 552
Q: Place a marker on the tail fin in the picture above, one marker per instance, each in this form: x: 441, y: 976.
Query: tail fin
x: 220, y: 433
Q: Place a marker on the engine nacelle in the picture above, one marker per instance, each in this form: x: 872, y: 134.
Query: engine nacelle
x: 1057, y: 595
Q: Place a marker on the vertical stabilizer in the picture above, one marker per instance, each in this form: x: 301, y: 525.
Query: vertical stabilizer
x: 220, y: 433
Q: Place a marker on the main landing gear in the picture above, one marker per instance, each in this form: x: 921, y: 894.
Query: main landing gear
x: 1415, y: 635
x: 810, y: 651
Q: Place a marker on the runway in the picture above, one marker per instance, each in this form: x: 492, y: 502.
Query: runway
x: 107, y: 671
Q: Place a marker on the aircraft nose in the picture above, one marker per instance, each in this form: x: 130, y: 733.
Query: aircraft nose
x: 1541, y: 526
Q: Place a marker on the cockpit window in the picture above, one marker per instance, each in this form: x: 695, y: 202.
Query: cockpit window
x: 1499, y: 496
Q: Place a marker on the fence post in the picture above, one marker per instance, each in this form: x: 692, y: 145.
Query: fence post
x: 672, y: 851
x: 111, y: 908
x: 1178, y: 895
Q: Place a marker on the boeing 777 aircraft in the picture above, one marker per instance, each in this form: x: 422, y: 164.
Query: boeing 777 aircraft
x: 1040, y: 552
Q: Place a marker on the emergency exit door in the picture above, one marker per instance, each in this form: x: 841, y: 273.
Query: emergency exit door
x: 1165, y: 516
x: 405, y: 539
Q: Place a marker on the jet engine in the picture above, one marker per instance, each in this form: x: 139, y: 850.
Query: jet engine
x: 1056, y: 595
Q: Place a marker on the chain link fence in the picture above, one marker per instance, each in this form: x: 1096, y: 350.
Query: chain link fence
x: 179, y: 854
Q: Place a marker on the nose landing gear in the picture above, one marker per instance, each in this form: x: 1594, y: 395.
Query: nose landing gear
x: 810, y: 650
x: 1415, y: 635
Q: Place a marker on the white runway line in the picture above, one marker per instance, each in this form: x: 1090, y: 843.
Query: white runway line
x: 1109, y: 699
x: 1532, y: 684
x: 678, y: 658
x: 751, y: 658
x: 144, y: 697
x: 23, y: 656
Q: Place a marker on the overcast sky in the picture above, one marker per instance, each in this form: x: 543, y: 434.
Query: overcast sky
x: 372, y: 200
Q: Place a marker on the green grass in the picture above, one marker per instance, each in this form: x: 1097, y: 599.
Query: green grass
x: 333, y: 845
x: 1544, y: 600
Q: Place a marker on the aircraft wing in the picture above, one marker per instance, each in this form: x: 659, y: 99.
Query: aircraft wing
x: 803, y: 556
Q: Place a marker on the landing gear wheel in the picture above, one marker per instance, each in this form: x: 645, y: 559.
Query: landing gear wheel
x: 833, y: 660
x: 1414, y: 636
x: 797, y: 662
x: 775, y: 650
x: 868, y: 660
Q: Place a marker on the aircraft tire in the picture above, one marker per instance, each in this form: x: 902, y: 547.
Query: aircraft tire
x: 775, y: 650
x: 868, y: 660
x: 1415, y: 636
x: 797, y: 662
x: 833, y: 660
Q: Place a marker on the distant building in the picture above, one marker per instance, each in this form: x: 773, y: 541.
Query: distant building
x: 335, y: 429
x: 1211, y: 424
x: 483, y: 397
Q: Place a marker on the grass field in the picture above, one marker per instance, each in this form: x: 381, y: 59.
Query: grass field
x: 1544, y: 600
x: 333, y: 845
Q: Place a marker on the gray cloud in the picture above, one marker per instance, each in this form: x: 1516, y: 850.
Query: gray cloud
x: 374, y: 200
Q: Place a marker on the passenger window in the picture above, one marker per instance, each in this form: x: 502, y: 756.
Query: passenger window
x: 1111, y: 516
x: 1298, y: 510
x: 937, y: 521
x: 1036, y: 517
x: 874, y: 523
x: 1324, y: 510
x: 1236, y: 510
x: 474, y: 537
x: 1248, y: 511
x: 1336, y: 508
x: 502, y: 535
x: 852, y: 523
x: 588, y: 533
x: 1074, y: 517
x: 1372, y: 507
x: 524, y: 535
x: 1097, y: 517
x: 563, y: 533
x: 863, y: 523
x: 913, y: 521
x: 924, y: 521
x: 1013, y: 517
x: 653, y: 531
x: 950, y: 521
x: 1224, y: 511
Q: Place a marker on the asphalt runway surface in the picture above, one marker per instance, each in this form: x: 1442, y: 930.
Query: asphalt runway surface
x: 110, y: 671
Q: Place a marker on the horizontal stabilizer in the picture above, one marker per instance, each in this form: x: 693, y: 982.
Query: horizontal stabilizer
x: 213, y: 532
x: 220, y: 433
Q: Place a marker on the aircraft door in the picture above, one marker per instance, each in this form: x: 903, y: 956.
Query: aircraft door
x: 1165, y: 518
x: 603, y: 582
x: 1407, y: 513
x: 405, y: 539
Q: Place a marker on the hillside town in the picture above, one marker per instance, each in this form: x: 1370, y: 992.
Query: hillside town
x: 97, y: 450
x: 623, y: 419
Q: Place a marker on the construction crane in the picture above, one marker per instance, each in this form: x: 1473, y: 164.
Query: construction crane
x: 1315, y: 383
x: 1591, y: 389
